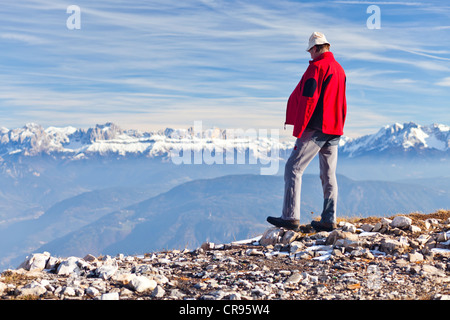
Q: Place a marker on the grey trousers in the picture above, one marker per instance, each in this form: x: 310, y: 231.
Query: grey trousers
x: 311, y: 143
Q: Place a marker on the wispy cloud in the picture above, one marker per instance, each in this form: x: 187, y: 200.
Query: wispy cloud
x: 445, y: 82
x: 368, y: 3
x: 28, y: 39
x: 169, y: 63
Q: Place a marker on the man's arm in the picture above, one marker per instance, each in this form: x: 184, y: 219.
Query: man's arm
x: 303, y: 100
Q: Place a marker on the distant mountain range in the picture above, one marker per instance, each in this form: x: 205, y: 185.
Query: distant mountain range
x: 394, y: 152
x: 109, y: 140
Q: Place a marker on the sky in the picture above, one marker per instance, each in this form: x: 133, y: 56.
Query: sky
x: 153, y: 64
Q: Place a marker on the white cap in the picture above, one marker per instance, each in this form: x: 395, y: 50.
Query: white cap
x: 316, y: 38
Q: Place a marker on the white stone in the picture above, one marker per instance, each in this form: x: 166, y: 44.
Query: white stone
x: 303, y: 255
x: 158, y: 292
x: 160, y: 279
x: 432, y: 221
x: 339, y: 234
x: 271, y: 236
x: 68, y: 266
x: 432, y: 270
x: 253, y: 252
x: 390, y: 246
x: 37, y: 261
x: 323, y: 257
x: 3, y: 287
x: 362, y: 252
x: 289, y: 236
x: 415, y: 257
x: 294, y: 278
x: 414, y: 229
x: 296, y: 246
x: 106, y: 271
x: 441, y: 251
x: 349, y: 227
x: 45, y: 283
x: 69, y: 291
x: 110, y: 296
x: 107, y: 258
x: 122, y: 277
x: 346, y: 243
x: 82, y: 264
x: 51, y: 263
x: 142, y: 283
x: 92, y: 292
x: 423, y: 238
x: 120, y: 256
x: 401, y: 222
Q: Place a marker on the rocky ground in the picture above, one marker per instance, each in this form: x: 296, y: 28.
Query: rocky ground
x: 400, y: 258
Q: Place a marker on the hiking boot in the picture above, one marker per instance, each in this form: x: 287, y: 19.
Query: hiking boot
x: 307, y: 228
x: 282, y: 223
x: 323, y: 226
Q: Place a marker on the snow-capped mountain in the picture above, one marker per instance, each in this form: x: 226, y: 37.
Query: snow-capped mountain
x: 409, y: 138
x: 110, y: 140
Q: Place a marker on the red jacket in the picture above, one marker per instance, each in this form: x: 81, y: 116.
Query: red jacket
x: 319, y: 100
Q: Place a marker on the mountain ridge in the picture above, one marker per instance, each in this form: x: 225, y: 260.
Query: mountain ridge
x: 407, y: 137
x: 110, y: 139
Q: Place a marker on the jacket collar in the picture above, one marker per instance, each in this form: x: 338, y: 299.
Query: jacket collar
x: 325, y: 55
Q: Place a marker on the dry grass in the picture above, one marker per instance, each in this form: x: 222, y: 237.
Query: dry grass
x: 417, y: 218
x: 11, y: 277
x: 440, y: 214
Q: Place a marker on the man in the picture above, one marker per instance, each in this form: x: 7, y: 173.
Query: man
x: 317, y: 109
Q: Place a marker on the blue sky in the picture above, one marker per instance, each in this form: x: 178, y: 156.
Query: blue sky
x: 161, y: 63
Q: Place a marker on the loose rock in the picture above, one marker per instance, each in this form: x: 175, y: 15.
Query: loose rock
x: 142, y: 283
x: 401, y: 222
x: 372, y: 259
